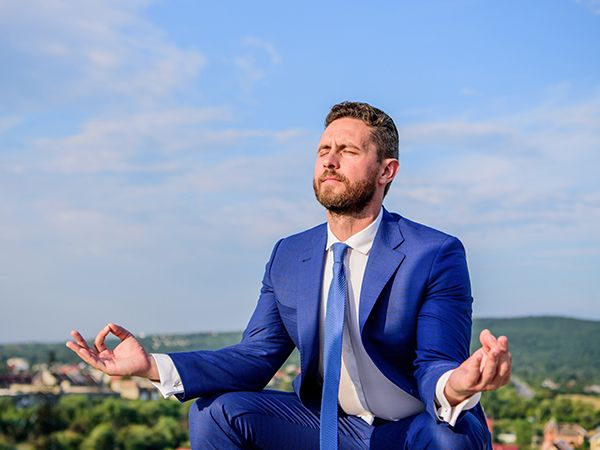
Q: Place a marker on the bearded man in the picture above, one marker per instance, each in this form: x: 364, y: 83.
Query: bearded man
x: 379, y: 307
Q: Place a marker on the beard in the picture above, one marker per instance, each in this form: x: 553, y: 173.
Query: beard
x: 352, y: 200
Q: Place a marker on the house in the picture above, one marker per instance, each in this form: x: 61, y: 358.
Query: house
x: 563, y: 436
x: 17, y: 365
x: 59, y: 379
x: 595, y: 440
x: 134, y: 388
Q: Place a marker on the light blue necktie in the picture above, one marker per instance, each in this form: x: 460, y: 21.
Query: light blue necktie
x: 334, y: 327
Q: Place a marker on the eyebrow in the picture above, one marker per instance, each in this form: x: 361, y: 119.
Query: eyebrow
x: 342, y: 144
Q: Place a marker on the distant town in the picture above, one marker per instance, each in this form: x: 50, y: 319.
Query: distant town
x: 24, y: 382
x: 49, y: 399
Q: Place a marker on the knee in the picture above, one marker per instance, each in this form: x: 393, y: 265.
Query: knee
x: 202, y: 425
x: 211, y: 421
x: 426, y: 433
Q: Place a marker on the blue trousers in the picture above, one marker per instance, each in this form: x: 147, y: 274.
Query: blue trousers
x: 278, y: 420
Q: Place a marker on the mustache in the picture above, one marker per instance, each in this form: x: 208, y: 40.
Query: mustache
x: 332, y: 173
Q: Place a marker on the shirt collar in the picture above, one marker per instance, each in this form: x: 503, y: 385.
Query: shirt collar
x: 361, y: 241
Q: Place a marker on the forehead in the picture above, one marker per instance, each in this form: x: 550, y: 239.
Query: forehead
x: 349, y: 130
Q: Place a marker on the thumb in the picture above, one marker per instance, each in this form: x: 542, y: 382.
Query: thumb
x: 487, y: 339
x: 473, y: 364
x: 119, y: 331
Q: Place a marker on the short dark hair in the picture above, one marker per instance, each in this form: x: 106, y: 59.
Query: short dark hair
x: 384, y: 131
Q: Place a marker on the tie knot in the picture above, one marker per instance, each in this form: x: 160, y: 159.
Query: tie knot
x: 339, y: 250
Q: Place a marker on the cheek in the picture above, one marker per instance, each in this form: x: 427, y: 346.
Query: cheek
x: 318, y: 169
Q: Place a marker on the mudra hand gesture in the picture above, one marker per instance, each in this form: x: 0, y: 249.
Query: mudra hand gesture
x: 487, y: 369
x: 127, y: 358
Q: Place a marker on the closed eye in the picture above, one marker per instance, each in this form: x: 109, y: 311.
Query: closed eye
x: 323, y: 150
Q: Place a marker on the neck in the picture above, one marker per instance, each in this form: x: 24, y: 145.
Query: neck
x: 345, y: 225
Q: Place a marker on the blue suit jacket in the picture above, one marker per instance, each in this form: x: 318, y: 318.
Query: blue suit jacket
x: 415, y: 316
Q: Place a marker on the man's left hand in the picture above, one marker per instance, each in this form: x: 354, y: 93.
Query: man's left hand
x: 487, y: 369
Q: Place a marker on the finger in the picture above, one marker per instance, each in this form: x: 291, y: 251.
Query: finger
x: 119, y: 331
x: 487, y: 339
x: 508, y: 370
x: 503, y: 343
x: 473, y: 365
x: 489, y: 372
x: 484, y: 359
x: 504, y: 365
x: 99, y: 342
x: 87, y: 355
x: 79, y: 339
x: 73, y: 346
x: 502, y: 372
x: 92, y: 359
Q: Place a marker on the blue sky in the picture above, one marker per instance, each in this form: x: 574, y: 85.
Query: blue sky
x: 151, y: 153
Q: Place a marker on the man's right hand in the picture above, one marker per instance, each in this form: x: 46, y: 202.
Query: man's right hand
x: 127, y: 358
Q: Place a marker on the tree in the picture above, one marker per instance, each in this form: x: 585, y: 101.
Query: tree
x: 151, y: 411
x: 65, y: 440
x: 102, y: 437
x: 116, y: 411
x: 141, y: 437
x: 524, y: 431
x: 15, y: 423
x: 170, y: 430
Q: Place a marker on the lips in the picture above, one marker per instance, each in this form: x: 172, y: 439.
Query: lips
x: 331, y: 177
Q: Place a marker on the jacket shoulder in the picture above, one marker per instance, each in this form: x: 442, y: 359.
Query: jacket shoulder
x: 304, y: 240
x: 417, y: 232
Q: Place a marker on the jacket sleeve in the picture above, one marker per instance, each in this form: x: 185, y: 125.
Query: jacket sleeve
x: 444, y: 320
x: 248, y: 365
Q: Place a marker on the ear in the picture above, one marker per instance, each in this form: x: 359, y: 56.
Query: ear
x: 389, y: 170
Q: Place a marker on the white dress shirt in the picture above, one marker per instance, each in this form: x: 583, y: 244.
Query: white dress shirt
x: 364, y: 391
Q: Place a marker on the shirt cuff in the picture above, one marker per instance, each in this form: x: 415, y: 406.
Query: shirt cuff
x: 170, y: 381
x: 443, y: 410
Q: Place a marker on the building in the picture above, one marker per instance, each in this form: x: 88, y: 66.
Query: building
x: 134, y: 388
x: 595, y: 441
x: 563, y: 436
x: 57, y: 380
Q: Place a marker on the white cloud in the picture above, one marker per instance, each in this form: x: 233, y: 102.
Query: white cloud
x: 448, y: 134
x: 160, y: 141
x: 254, y: 63
x: 127, y: 143
x: 66, y: 50
x: 8, y: 122
x: 469, y: 92
x: 519, y: 179
x: 268, y: 47
x: 156, y: 184
x: 592, y: 5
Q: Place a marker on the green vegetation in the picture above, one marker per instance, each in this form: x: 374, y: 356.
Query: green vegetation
x: 37, y: 353
x: 527, y: 417
x: 78, y: 422
x: 561, y: 349
x: 565, y: 350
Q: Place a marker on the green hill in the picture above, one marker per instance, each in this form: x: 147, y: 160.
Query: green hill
x: 36, y: 352
x: 563, y: 349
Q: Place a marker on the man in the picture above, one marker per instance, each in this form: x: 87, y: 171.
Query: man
x: 378, y: 306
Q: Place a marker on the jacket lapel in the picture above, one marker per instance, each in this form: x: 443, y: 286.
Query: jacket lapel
x: 384, y: 259
x: 310, y: 279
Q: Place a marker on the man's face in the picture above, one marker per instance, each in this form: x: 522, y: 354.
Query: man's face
x: 346, y: 169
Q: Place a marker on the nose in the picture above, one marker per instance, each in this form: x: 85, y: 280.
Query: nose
x: 331, y: 160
